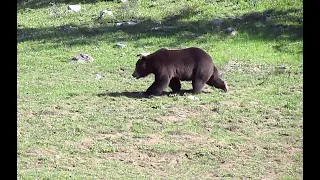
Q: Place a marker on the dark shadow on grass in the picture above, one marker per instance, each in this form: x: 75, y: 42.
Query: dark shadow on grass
x: 135, y: 95
x: 254, y: 24
x: 140, y: 95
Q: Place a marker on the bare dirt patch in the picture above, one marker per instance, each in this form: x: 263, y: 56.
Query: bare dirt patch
x: 227, y: 165
x: 26, y: 114
x: 231, y: 104
x: 188, y: 139
x: 53, y: 111
x: 39, y: 152
x: 111, y: 136
x: 85, y: 144
x: 150, y: 140
x: 270, y: 176
x: 146, y: 159
x: 173, y: 118
x: 292, y: 150
x: 178, y: 115
x: 154, y: 139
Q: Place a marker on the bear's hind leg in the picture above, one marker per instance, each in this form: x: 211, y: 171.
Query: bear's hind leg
x: 175, y: 85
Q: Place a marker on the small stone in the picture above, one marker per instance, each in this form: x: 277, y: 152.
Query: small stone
x: 193, y: 98
x: 121, y: 45
x: 128, y: 23
x: 82, y: 58
x: 229, y: 30
x: 173, y: 94
x: 119, y: 24
x: 131, y: 23
x: 153, y: 4
x: 74, y: 8
x: 217, y: 21
x: 99, y: 76
x: 281, y: 67
x: 104, y: 12
x: 156, y: 28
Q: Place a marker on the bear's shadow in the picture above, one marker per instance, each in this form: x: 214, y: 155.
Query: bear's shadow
x: 140, y: 94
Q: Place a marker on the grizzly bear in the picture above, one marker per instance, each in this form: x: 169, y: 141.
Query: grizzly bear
x: 172, y: 66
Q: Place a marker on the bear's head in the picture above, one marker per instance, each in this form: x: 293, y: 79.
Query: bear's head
x: 141, y: 69
x: 221, y: 84
x: 224, y: 86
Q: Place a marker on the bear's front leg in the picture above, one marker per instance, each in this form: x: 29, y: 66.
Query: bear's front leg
x: 158, y: 86
x: 197, y: 85
x: 175, y: 85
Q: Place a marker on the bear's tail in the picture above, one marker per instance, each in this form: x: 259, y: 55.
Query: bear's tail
x: 216, y: 80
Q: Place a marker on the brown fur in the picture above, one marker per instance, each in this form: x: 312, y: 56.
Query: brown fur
x: 172, y: 66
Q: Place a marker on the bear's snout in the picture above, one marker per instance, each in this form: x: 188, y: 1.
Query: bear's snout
x: 225, y: 88
x: 135, y: 74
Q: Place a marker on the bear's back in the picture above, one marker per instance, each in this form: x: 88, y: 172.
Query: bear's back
x: 187, y: 55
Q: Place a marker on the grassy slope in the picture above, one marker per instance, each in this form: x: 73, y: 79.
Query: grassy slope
x: 71, y: 125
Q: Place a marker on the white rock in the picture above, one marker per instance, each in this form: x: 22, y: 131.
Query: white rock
x: 74, y: 8
x: 229, y: 30
x: 82, y: 58
x: 129, y: 23
x: 193, y: 98
x: 233, y: 33
x: 102, y: 13
x: 98, y: 76
x: 121, y: 45
x: 119, y: 24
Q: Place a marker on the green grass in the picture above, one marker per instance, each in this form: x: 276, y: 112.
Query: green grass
x: 73, y: 126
